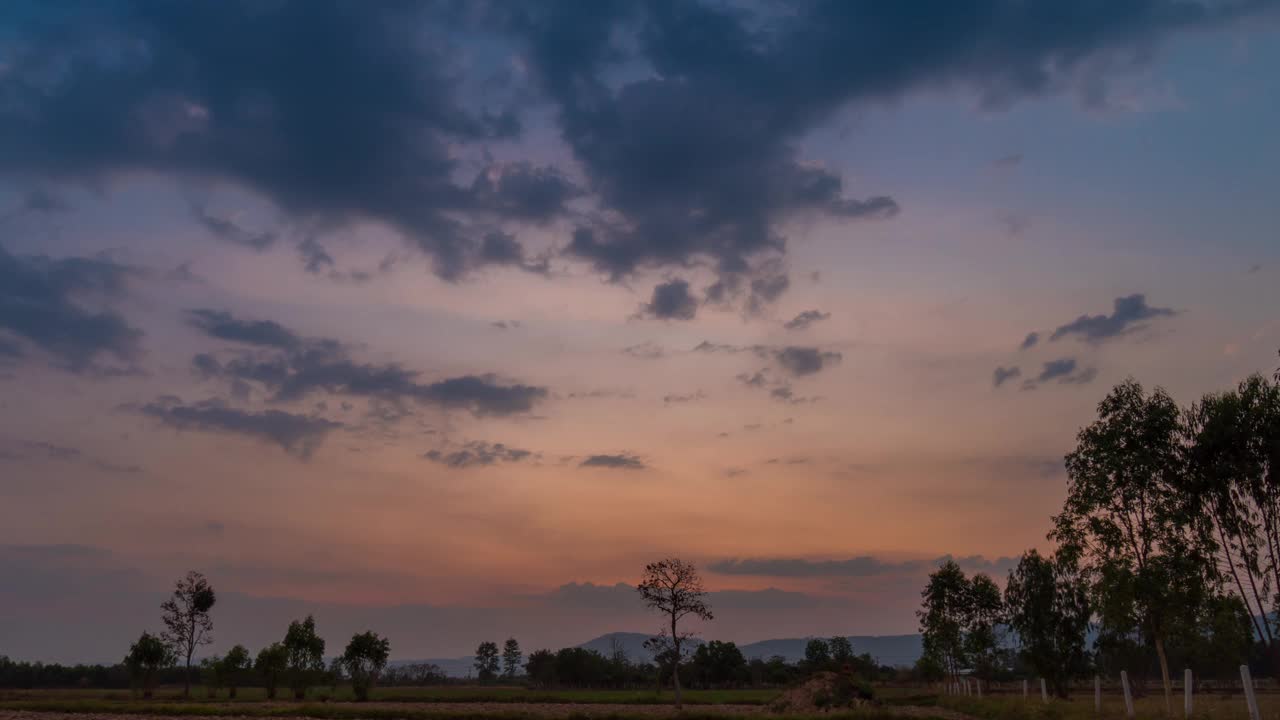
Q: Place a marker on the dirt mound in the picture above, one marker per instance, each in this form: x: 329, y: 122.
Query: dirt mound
x: 822, y: 692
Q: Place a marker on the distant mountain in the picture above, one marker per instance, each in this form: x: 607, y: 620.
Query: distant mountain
x: 897, y: 650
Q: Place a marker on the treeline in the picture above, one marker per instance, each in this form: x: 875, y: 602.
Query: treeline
x: 1167, y: 554
x: 712, y: 665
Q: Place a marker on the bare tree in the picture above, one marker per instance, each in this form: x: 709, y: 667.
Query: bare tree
x: 186, y: 620
x: 674, y: 588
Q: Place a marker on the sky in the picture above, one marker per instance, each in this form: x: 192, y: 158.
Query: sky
x: 443, y: 319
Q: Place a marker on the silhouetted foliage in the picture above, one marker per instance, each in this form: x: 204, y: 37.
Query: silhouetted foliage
x: 272, y: 662
x: 487, y: 661
x: 146, y: 657
x: 235, y: 668
x: 511, y: 658
x: 1049, y: 609
x: 186, y: 620
x: 305, y: 652
x: 673, y: 588
x: 365, y: 657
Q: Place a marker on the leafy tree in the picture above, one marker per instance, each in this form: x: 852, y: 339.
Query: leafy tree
x: 1123, y: 518
x: 841, y: 650
x: 234, y: 667
x: 983, y: 612
x: 273, y: 661
x: 674, y: 588
x: 186, y: 620
x: 146, y: 657
x: 365, y: 657
x: 541, y: 668
x: 487, y: 662
x: 943, y: 617
x: 305, y: 651
x: 817, y: 655
x: 1232, y: 451
x: 1048, y: 606
x: 720, y: 663
x: 511, y: 658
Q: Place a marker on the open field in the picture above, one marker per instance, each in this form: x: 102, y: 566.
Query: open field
x: 1080, y: 707
x: 447, y: 694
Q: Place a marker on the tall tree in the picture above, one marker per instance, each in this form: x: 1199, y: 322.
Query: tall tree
x: 272, y: 662
x: 1123, y: 519
x: 1048, y: 607
x: 234, y: 666
x: 817, y: 654
x: 487, y: 662
x: 1232, y: 446
x: 674, y: 588
x: 511, y: 658
x: 304, y: 650
x: 841, y: 650
x: 187, y: 622
x: 942, y: 618
x: 364, y: 659
x: 983, y: 613
x: 146, y: 657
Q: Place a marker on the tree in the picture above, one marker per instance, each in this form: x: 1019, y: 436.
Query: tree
x: 487, y: 662
x: 817, y: 655
x: 983, y: 614
x: 1123, y: 518
x: 841, y: 650
x: 211, y: 675
x: 674, y: 588
x: 186, y: 620
x: 273, y: 660
x: 1232, y: 454
x: 719, y: 664
x: 541, y: 668
x: 146, y: 657
x: 365, y: 657
x: 234, y: 666
x: 305, y: 651
x: 1048, y: 608
x: 943, y: 616
x: 511, y: 658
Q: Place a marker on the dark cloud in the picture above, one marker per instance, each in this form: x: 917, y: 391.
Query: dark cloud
x: 478, y: 454
x: 524, y: 192
x: 229, y: 231
x: 800, y: 361
x: 47, y: 303
x: 621, y: 461
x: 299, y: 435
x: 1063, y: 370
x: 805, y: 319
x: 295, y: 368
x: 859, y: 566
x: 1003, y: 375
x: 1029, y: 341
x: 1128, y: 315
x: 671, y: 301
x: 505, y: 324
x: 645, y: 351
x: 277, y: 99
x: 224, y: 326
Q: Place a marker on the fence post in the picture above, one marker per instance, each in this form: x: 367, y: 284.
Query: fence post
x: 1128, y: 697
x: 1024, y: 688
x: 977, y: 683
x: 1187, y: 684
x: 1097, y: 694
x: 1044, y: 691
x: 1249, y: 697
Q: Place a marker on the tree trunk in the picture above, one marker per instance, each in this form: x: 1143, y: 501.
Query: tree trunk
x: 186, y: 678
x: 1164, y: 676
x: 675, y: 676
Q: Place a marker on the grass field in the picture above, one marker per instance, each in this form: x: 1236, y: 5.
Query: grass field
x: 1080, y: 707
x: 450, y: 694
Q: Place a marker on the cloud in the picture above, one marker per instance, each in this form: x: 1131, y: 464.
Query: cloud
x: 857, y: 566
x: 622, y: 461
x: 645, y: 351
x: 224, y: 326
x: 671, y: 301
x: 1128, y: 315
x: 1003, y: 375
x: 229, y: 231
x: 1029, y: 341
x: 1063, y: 370
x: 805, y: 319
x: 677, y: 398
x: 296, y: 367
x: 479, y: 454
x: 43, y: 301
x: 299, y: 435
x: 800, y: 361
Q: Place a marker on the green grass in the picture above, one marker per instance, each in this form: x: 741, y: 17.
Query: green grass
x: 1080, y: 707
x: 454, y: 694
